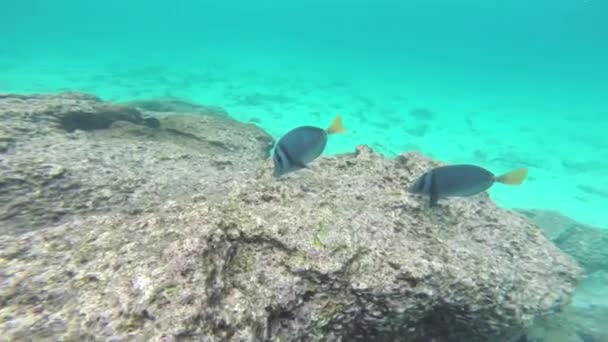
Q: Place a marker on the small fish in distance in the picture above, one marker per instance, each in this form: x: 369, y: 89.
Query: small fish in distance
x: 461, y: 181
x: 302, y: 145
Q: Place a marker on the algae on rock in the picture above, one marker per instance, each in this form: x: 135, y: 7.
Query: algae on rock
x: 244, y: 266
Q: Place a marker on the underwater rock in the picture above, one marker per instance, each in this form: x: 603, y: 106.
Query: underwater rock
x: 171, y: 104
x: 70, y: 154
x: 551, y: 222
x: 573, y: 324
x: 27, y: 116
x: 587, y: 244
x: 584, y: 319
x: 340, y: 252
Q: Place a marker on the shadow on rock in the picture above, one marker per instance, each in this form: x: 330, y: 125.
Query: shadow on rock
x: 176, y: 105
x: 73, y: 154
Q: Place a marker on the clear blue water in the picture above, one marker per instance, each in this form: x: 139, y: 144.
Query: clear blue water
x: 512, y: 84
x: 508, y: 83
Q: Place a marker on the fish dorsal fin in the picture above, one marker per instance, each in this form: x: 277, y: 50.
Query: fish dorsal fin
x: 515, y: 177
x: 336, y: 126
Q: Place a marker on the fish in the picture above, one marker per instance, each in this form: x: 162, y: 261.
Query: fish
x: 461, y: 181
x: 300, y: 146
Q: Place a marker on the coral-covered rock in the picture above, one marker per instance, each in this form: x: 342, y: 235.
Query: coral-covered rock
x: 340, y: 252
x: 585, y: 319
x: 69, y: 154
x: 587, y: 244
x: 573, y: 324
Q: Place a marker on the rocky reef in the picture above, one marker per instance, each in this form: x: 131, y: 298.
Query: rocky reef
x: 573, y: 324
x: 71, y: 154
x: 178, y: 232
x: 587, y: 244
x: 584, y: 320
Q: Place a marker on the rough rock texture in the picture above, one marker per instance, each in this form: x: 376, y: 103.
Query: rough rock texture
x: 572, y: 325
x: 72, y: 153
x: 587, y: 244
x: 582, y: 321
x: 336, y: 253
x: 585, y: 319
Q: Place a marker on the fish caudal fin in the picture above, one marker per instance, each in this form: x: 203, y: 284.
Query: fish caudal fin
x: 336, y: 126
x: 515, y: 177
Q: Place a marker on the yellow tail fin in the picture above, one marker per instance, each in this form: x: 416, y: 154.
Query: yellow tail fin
x: 336, y: 126
x: 515, y: 177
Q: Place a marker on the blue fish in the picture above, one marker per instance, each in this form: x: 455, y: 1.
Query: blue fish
x: 461, y: 181
x: 302, y: 145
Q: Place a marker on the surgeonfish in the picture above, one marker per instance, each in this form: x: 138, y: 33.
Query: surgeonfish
x: 302, y: 145
x: 461, y: 181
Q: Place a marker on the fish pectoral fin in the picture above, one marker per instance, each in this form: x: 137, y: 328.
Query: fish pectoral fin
x: 336, y: 126
x: 515, y: 177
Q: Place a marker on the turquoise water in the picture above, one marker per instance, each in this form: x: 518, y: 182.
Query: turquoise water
x: 502, y: 84
x: 507, y: 84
